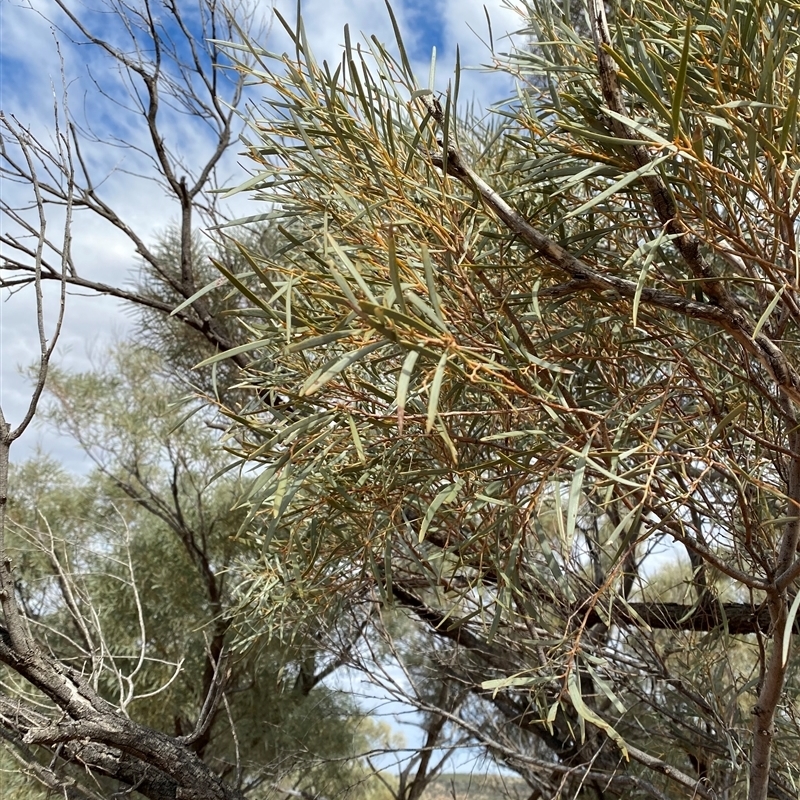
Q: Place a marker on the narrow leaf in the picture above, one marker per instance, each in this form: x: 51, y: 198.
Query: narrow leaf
x: 318, y: 379
x: 727, y: 419
x: 767, y: 312
x: 402, y: 386
x: 394, y: 273
x: 215, y: 284
x: 446, y: 495
x: 680, y: 84
x: 575, y: 492
x: 590, y: 716
x: 320, y: 341
x: 436, y: 387
x: 626, y: 179
x: 787, y: 631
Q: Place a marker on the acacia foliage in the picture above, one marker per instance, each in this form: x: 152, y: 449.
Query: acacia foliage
x: 520, y: 353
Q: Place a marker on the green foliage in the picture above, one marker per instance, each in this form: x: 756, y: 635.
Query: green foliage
x: 493, y: 418
x: 183, y: 346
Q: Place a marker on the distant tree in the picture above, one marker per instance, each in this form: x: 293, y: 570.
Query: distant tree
x: 522, y: 356
x: 174, y: 98
x: 131, y: 574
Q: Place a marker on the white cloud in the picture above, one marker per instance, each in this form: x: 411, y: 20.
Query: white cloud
x: 447, y: 23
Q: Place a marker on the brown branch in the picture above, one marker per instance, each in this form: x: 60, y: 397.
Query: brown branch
x: 209, y: 330
x: 662, y: 199
x: 674, y: 616
x: 774, y: 675
x: 736, y: 619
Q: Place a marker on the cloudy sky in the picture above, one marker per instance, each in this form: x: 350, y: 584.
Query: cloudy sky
x: 30, y: 84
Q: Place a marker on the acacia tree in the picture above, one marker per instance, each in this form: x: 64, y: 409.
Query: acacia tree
x: 520, y: 356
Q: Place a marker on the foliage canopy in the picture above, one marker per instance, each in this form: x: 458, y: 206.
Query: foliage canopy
x: 514, y: 397
x: 522, y: 355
